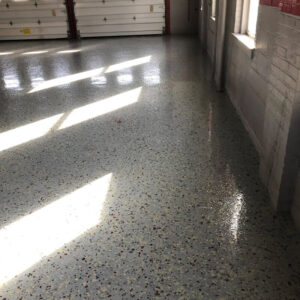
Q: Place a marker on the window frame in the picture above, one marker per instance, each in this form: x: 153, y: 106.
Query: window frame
x: 249, y: 15
x: 213, y: 12
x: 242, y: 18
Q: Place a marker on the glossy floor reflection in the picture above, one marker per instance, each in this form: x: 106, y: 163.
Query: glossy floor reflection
x: 185, y: 215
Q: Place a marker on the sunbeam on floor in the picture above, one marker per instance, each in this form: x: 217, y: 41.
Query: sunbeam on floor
x: 26, y: 241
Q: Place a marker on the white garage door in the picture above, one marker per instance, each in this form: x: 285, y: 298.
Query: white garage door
x: 119, y: 17
x: 33, y: 19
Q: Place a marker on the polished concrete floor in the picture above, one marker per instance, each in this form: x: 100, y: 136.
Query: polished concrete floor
x: 124, y: 175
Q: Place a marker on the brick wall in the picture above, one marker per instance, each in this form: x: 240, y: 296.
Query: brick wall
x: 265, y: 96
x: 265, y: 90
x: 282, y: 97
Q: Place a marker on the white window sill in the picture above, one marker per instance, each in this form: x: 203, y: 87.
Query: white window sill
x: 246, y: 42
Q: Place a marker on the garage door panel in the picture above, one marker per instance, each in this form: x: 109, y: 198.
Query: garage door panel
x: 121, y: 28
x: 124, y: 33
x: 15, y: 6
x: 101, y: 18
x: 21, y: 26
x: 33, y: 22
x: 32, y: 31
x: 124, y: 21
x: 33, y: 37
x: 25, y: 19
x: 30, y: 19
x: 105, y: 11
x: 122, y: 2
x: 124, y: 16
x: 15, y: 15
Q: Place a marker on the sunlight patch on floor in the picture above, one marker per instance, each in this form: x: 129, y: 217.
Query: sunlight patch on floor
x: 26, y: 241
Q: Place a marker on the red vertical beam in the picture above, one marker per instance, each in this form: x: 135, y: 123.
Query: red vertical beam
x: 168, y: 16
x: 71, y: 19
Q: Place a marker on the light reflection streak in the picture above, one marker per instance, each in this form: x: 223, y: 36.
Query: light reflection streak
x: 210, y: 123
x: 236, y: 214
x: 152, y: 76
x: 6, y: 53
x: 35, y: 52
x: 66, y: 79
x: 152, y: 80
x: 99, y: 80
x: 124, y: 79
x: 12, y: 82
x: 37, y: 81
x: 88, y: 74
x: 68, y: 51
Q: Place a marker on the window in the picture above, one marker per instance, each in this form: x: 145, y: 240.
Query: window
x: 213, y: 8
x: 246, y: 17
x: 252, y: 18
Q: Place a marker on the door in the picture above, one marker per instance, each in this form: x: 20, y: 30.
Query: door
x: 33, y: 19
x: 119, y: 17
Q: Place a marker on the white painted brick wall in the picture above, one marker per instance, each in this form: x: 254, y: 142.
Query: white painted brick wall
x: 264, y: 89
x: 283, y: 85
x: 273, y: 75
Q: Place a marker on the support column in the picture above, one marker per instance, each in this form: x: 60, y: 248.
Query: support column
x: 71, y: 19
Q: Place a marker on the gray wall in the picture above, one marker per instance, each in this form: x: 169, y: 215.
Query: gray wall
x: 183, y: 21
x: 207, y: 28
x: 264, y: 88
x: 296, y: 203
x: 211, y: 37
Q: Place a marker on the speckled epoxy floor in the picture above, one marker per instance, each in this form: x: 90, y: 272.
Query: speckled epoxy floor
x: 185, y: 215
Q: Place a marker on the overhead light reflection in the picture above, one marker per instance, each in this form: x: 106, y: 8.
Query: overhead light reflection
x: 152, y: 76
x: 35, y: 52
x: 69, y: 51
x: 152, y: 79
x: 99, y: 80
x: 12, y: 82
x: 66, y: 79
x: 88, y: 74
x: 124, y: 79
x: 36, y: 81
x: 6, y: 53
x: 26, y: 241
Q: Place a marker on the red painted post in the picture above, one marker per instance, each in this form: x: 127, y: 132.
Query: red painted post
x: 71, y: 19
x: 168, y: 17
